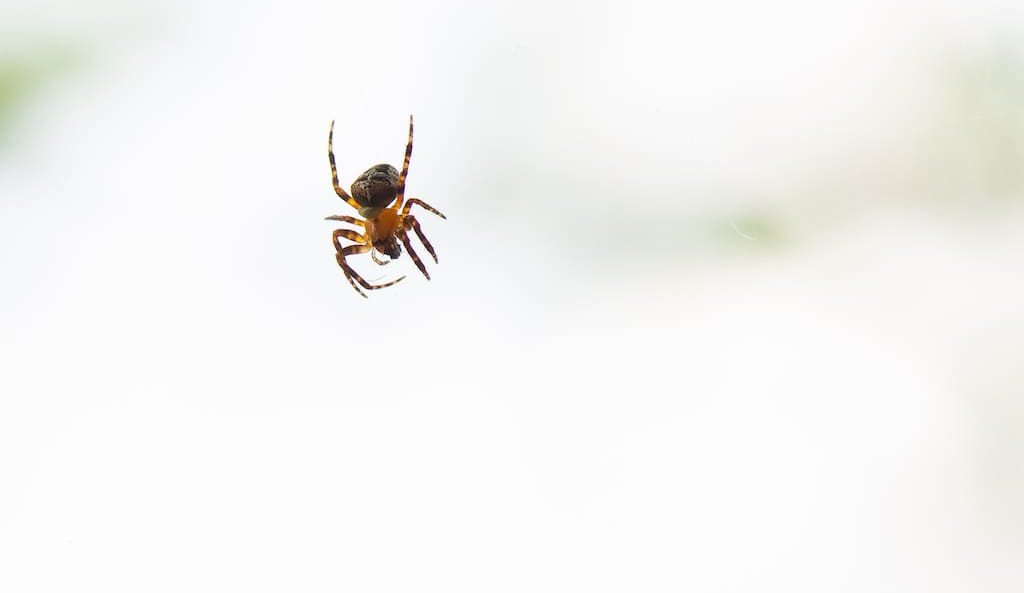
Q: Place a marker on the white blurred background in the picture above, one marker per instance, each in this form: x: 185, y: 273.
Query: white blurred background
x: 729, y: 297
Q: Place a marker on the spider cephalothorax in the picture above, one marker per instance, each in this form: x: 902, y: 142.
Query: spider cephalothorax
x: 372, y: 195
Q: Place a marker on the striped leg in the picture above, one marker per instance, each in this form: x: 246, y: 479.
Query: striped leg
x: 348, y: 234
x: 377, y: 260
x: 415, y: 258
x: 412, y: 223
x: 349, y: 272
x: 334, y: 171
x: 353, y: 276
x: 405, y: 169
x: 413, y: 201
x: 352, y: 236
x: 348, y: 219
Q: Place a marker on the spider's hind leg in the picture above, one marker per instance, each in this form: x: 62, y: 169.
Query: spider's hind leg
x: 414, y: 201
x: 353, y: 276
x: 348, y: 234
x: 348, y: 219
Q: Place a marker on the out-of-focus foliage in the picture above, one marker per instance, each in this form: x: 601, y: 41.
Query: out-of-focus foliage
x: 24, y: 74
x: 989, y: 97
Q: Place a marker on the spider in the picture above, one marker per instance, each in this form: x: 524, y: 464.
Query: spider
x: 386, y: 224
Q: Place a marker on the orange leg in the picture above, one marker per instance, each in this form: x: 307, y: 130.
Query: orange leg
x: 405, y: 170
x: 412, y: 253
x: 334, y: 171
x: 353, y: 276
x: 348, y: 219
x: 412, y: 223
x: 348, y: 234
x: 413, y: 201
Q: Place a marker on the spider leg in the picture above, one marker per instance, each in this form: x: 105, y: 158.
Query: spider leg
x: 412, y: 253
x: 412, y: 223
x: 353, y: 276
x: 348, y: 234
x: 413, y: 201
x: 348, y: 274
x: 377, y: 260
x: 348, y: 219
x: 334, y: 171
x: 405, y: 169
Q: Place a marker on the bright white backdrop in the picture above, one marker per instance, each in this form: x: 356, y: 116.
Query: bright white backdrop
x: 728, y: 299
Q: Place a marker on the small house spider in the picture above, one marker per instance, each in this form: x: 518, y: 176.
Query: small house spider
x: 385, y: 224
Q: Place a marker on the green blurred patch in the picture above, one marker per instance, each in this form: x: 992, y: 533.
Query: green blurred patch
x: 23, y: 75
x: 989, y: 138
x: 754, y: 230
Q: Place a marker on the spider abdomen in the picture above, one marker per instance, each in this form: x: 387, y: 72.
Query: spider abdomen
x: 376, y: 187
